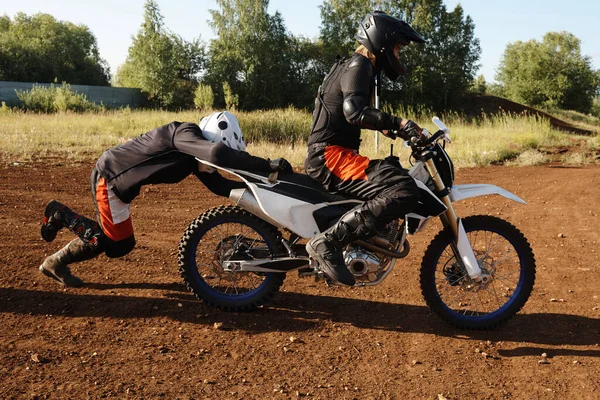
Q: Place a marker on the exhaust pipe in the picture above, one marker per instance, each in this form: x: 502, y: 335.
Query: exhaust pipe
x: 246, y: 200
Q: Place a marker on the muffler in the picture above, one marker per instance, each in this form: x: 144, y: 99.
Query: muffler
x: 246, y: 200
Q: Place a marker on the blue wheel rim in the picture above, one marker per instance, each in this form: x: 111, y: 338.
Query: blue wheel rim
x: 216, y: 293
x: 506, y: 306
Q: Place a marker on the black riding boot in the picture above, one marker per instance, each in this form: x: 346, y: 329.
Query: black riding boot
x: 55, y: 266
x: 326, y: 248
x: 58, y: 216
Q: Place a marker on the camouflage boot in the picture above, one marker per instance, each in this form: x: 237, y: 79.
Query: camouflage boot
x: 58, y: 216
x: 55, y: 266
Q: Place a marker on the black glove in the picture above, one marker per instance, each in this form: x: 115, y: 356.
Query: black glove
x: 410, y: 129
x: 280, y: 165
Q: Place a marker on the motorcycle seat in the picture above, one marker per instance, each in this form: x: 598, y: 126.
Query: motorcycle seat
x: 302, y: 187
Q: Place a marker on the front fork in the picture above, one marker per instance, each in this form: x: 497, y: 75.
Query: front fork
x: 461, y: 246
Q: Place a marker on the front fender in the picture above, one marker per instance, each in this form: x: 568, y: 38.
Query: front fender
x: 461, y: 192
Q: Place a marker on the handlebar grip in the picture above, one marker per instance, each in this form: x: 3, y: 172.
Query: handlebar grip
x: 433, y: 138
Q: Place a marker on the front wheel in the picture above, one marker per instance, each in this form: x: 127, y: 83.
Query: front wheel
x: 222, y: 234
x: 502, y: 252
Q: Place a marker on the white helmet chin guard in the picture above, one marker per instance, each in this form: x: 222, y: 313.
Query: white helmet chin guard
x: 223, y: 127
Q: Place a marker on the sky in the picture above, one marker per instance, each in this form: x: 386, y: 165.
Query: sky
x: 497, y: 23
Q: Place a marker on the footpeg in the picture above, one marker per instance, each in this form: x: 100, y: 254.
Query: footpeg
x: 308, y: 271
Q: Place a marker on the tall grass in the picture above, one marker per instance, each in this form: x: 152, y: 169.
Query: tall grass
x: 275, y: 133
x: 580, y: 120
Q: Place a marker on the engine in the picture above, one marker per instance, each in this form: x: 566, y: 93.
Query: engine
x: 364, y: 265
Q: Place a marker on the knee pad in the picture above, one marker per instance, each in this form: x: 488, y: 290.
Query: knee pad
x: 114, y: 249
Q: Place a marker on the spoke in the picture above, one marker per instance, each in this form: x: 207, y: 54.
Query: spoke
x: 234, y: 279
x: 239, y: 236
x: 508, y: 283
x: 482, y: 308
x: 227, y: 238
x: 496, y: 294
x: 491, y: 244
x: 210, y: 252
x: 501, y: 260
x: 474, y: 241
x: 471, y: 302
x: 217, y: 229
x: 254, y: 242
x: 500, y: 277
x: 450, y: 254
x: 458, y: 293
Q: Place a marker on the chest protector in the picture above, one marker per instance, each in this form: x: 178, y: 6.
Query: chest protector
x: 329, y: 124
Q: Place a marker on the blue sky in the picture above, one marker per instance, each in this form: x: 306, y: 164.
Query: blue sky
x: 497, y: 23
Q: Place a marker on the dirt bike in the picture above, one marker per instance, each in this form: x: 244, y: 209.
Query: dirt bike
x: 476, y: 273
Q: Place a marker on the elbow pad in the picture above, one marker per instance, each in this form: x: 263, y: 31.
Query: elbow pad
x: 353, y: 107
x: 371, y: 118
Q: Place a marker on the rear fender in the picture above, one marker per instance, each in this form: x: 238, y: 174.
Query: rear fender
x: 277, y: 209
x: 462, y: 192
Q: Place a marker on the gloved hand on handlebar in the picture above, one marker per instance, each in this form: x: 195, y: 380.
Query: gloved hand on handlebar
x: 280, y: 165
x: 409, y: 130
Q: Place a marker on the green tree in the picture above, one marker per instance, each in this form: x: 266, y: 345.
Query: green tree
x: 439, y: 71
x: 252, y: 53
x: 161, y: 63
x: 39, y: 48
x: 204, y: 97
x: 551, y: 73
x: 232, y: 100
x: 306, y: 72
x: 479, y: 85
x: 340, y: 20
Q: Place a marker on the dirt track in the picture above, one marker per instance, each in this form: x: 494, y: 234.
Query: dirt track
x: 134, y: 332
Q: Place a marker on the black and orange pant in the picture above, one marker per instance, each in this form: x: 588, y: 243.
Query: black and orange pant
x: 389, y: 192
x: 114, y: 218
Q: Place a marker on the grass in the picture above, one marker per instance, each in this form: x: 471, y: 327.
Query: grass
x: 529, y: 158
x: 580, y: 120
x: 275, y: 133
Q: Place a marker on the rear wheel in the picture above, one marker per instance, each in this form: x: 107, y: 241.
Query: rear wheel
x: 222, y: 234
x: 502, y: 252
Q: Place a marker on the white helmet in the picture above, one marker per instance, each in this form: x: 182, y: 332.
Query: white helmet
x: 223, y: 127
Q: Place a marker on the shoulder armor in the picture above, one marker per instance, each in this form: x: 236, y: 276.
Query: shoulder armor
x: 358, y: 61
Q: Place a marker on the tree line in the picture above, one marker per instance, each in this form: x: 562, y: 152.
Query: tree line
x: 254, y: 62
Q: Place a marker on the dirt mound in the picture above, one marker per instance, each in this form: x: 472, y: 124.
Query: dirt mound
x: 474, y: 105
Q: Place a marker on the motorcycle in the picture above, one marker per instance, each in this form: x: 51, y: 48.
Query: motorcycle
x: 476, y: 273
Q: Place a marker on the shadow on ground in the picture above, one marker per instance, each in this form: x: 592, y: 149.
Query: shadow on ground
x: 302, y: 312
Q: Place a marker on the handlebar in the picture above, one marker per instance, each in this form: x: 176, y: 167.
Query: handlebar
x: 418, y: 142
x: 432, y: 139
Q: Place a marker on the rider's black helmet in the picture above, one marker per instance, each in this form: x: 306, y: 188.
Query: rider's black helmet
x: 380, y: 33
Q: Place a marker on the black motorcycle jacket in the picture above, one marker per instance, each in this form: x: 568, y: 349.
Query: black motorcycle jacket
x: 343, y: 105
x: 167, y: 155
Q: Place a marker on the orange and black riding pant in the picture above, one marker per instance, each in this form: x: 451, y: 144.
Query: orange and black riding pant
x: 114, y: 218
x: 389, y: 192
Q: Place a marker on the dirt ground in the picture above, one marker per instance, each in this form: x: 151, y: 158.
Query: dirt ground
x: 135, y: 332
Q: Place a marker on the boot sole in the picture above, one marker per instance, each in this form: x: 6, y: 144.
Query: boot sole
x: 327, y: 271
x: 51, y: 275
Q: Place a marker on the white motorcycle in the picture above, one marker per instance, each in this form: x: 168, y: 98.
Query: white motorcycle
x: 476, y: 273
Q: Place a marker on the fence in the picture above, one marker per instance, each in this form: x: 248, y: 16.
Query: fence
x: 111, y: 97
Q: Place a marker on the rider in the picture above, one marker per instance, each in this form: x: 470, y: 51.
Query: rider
x: 342, y: 108
x: 166, y: 154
